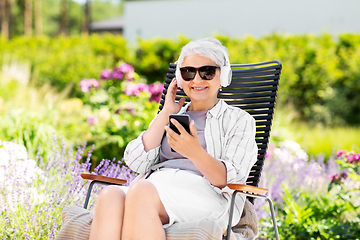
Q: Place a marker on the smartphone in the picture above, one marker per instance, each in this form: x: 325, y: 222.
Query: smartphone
x: 183, y: 119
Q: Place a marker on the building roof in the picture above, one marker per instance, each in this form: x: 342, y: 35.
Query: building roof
x: 111, y: 24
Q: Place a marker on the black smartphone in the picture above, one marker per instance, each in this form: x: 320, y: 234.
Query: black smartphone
x: 183, y: 119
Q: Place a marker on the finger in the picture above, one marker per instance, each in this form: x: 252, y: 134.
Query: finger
x: 193, y: 128
x: 170, y: 134
x: 178, y: 126
x: 173, y: 85
x: 182, y: 101
x: 172, y: 89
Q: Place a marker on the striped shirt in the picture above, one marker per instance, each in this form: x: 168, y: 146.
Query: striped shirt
x: 230, y: 137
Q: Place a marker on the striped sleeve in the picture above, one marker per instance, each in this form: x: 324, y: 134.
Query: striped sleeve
x: 241, y: 150
x: 137, y: 158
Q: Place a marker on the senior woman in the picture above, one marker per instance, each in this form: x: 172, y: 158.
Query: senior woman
x: 189, y: 183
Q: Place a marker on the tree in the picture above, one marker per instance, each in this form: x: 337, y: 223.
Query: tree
x: 85, y: 26
x: 64, y: 18
x: 4, y: 20
x: 28, y: 18
x: 38, y: 17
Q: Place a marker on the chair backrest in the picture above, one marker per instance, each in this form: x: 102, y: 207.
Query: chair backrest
x: 253, y: 89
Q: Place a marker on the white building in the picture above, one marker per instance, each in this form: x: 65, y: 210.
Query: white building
x: 237, y: 18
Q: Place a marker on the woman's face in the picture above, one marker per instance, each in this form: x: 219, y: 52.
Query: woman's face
x: 203, y: 93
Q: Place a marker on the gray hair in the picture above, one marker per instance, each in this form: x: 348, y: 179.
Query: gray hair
x: 206, y: 47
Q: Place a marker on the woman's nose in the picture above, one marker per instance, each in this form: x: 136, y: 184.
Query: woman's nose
x: 197, y: 77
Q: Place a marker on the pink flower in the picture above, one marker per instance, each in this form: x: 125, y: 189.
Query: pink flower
x: 156, y: 91
x: 92, y: 120
x: 117, y: 74
x: 131, y: 109
x: 94, y: 83
x: 105, y: 74
x: 349, y: 158
x: 339, y: 153
x: 356, y: 157
x: 133, y: 89
x: 124, y: 68
x: 334, y: 177
x: 84, y: 85
x: 338, y: 178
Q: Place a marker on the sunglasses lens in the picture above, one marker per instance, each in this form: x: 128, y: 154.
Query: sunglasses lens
x: 188, y: 73
x: 207, y: 72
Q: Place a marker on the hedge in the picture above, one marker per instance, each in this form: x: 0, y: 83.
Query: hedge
x: 320, y: 73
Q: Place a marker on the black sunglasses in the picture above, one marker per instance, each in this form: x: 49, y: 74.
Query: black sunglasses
x: 205, y: 72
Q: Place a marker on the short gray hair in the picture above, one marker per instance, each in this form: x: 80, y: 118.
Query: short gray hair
x: 206, y: 47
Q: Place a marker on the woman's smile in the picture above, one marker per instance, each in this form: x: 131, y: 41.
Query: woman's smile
x: 199, y: 89
x: 202, y: 93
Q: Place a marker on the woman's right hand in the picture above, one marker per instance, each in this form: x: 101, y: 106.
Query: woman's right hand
x: 153, y: 135
x: 170, y: 106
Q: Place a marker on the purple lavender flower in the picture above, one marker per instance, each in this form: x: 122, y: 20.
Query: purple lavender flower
x: 92, y: 120
x: 105, y: 74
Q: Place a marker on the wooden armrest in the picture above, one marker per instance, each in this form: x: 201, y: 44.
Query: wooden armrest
x: 103, y: 178
x: 247, y: 188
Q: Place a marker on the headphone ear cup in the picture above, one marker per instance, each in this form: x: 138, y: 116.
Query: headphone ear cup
x: 225, y: 76
x: 178, y: 77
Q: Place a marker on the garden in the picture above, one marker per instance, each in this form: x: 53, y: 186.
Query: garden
x: 70, y: 105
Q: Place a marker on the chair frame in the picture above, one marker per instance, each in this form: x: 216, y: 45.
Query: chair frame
x: 253, y: 89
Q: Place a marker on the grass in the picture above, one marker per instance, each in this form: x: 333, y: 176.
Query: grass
x: 314, y: 140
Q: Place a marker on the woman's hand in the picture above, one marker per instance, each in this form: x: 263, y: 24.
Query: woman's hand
x: 154, y: 134
x: 184, y: 143
x: 188, y: 145
x: 170, y: 106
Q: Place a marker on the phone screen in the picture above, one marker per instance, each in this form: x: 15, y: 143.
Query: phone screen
x: 183, y: 119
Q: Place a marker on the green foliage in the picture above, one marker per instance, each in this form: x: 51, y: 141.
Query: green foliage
x: 66, y: 61
x: 320, y: 73
x: 152, y: 57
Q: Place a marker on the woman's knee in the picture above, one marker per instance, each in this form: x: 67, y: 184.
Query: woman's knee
x: 141, y: 188
x: 111, y: 194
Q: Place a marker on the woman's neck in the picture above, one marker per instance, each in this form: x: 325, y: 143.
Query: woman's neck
x: 197, y: 106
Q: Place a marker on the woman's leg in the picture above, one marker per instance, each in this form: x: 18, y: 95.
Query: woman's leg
x: 109, y: 214
x: 144, y: 213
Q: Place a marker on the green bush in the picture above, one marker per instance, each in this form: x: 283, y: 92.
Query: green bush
x: 63, y: 61
x: 320, y: 73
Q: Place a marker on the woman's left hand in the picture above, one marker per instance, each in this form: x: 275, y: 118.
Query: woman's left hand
x: 184, y: 143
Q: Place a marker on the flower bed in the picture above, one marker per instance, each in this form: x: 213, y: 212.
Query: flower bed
x: 33, y: 196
